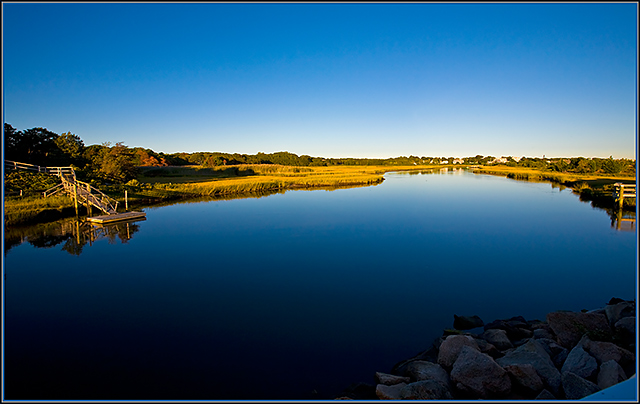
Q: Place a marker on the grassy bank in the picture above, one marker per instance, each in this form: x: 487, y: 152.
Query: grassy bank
x: 157, y: 185
x: 595, y: 188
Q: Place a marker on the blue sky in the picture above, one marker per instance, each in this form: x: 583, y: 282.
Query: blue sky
x: 330, y: 80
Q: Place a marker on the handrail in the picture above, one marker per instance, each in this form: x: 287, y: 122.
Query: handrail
x: 50, y: 191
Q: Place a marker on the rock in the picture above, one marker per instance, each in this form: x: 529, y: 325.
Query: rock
x: 619, y: 310
x: 597, y: 311
x: 542, y: 333
x: 575, y: 387
x: 479, y: 374
x: 580, y: 363
x: 451, y: 347
x: 545, y: 395
x: 525, y: 376
x: 569, y: 327
x: 430, y: 355
x: 516, y: 328
x: 425, y: 390
x: 533, y: 353
x: 625, y: 330
x: 385, y: 392
x: 497, y: 338
x: 606, y: 351
x: 422, y: 370
x: 611, y: 373
x: 467, y: 322
x: 390, y: 380
x: 559, y: 359
x: 488, y: 348
x: 615, y: 300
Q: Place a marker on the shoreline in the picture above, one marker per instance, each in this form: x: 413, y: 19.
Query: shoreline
x: 569, y: 355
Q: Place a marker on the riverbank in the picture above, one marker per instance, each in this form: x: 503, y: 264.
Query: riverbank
x: 596, y: 189
x: 570, y: 355
x: 158, y: 185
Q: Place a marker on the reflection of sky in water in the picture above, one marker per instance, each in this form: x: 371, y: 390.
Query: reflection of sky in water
x: 317, y: 289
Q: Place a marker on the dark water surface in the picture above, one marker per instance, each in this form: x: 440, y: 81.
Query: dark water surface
x: 275, y: 297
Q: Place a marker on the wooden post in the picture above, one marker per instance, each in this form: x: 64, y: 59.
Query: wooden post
x: 621, y: 196
x: 75, y: 196
x: 126, y: 202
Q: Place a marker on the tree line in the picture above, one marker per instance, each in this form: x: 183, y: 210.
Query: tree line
x: 118, y: 163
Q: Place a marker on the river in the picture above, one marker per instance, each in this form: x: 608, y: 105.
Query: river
x: 295, y: 295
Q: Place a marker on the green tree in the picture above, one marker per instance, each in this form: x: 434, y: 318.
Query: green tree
x: 70, y: 144
x: 611, y: 166
x: 116, y: 164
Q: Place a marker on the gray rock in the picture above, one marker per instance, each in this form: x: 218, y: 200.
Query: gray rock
x: 533, y: 353
x: 385, y: 392
x: 580, y: 363
x: 569, y: 327
x: 450, y: 348
x: 575, y: 387
x: 525, y: 376
x: 488, y: 348
x: 617, y: 311
x: 627, y: 324
x: 390, y: 380
x: 479, y: 374
x: 625, y: 330
x: 606, y: 351
x: 542, y: 333
x: 516, y: 327
x: 467, y: 322
x: 422, y: 370
x: 559, y: 359
x: 611, y: 373
x: 597, y: 311
x: 425, y: 390
x: 497, y: 338
x: 545, y: 395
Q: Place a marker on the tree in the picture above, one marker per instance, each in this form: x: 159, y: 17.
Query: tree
x: 611, y: 166
x: 116, y: 163
x: 70, y: 144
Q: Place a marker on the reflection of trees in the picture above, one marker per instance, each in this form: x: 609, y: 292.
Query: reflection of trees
x: 73, y: 233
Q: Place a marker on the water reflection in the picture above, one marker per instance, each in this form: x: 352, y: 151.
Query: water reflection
x: 623, y: 221
x: 74, y: 234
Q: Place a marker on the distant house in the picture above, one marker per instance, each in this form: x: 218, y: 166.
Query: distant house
x: 517, y: 159
x: 458, y: 161
x: 499, y: 160
x: 444, y: 162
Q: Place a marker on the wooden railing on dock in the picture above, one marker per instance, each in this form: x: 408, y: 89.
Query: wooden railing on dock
x: 621, y: 191
x: 81, y: 191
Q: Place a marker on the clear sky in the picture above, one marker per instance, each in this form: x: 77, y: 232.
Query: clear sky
x: 329, y: 80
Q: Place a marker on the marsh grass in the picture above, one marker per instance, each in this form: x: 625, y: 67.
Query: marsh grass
x: 19, y: 210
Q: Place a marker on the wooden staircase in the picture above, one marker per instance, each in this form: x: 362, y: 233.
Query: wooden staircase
x: 70, y: 185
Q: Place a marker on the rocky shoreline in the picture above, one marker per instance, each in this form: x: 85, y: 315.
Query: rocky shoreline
x: 569, y: 356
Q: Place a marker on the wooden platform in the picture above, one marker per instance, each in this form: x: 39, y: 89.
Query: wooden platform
x: 116, y: 217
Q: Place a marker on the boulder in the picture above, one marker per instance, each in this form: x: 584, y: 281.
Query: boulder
x: 430, y: 355
x: 615, y: 312
x: 575, y: 387
x: 625, y: 330
x: 390, y: 380
x: 545, y: 395
x: 451, y: 347
x: 425, y: 390
x: 385, y: 392
x: 581, y: 363
x: 517, y: 328
x: 606, y: 351
x: 488, y: 348
x: 422, y: 370
x: 525, y: 376
x: 479, y: 374
x: 467, y: 322
x: 542, y: 333
x: 569, y: 327
x: 498, y: 338
x: 611, y: 373
x: 533, y: 353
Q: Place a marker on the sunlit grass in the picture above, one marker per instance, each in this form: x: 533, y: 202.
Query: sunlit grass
x: 18, y: 210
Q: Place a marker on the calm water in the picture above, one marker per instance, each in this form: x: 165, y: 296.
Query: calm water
x: 275, y: 297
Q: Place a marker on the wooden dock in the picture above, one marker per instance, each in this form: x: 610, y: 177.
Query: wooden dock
x: 116, y: 217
